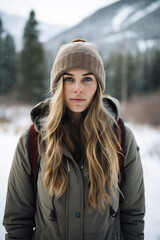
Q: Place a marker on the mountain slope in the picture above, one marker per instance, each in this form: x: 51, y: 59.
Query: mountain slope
x: 120, y: 26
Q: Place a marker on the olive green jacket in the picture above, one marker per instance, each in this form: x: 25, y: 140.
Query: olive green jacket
x: 73, y: 220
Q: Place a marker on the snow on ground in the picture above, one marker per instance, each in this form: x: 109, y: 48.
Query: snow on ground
x: 148, y: 138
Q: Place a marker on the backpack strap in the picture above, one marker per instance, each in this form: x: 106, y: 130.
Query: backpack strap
x: 33, y: 154
x: 32, y: 145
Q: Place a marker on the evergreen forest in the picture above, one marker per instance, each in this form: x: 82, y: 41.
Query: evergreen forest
x: 25, y: 74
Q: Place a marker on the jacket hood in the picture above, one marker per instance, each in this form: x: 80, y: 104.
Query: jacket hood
x: 40, y: 112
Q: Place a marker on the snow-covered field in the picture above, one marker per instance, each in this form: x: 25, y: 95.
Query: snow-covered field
x: 148, y: 139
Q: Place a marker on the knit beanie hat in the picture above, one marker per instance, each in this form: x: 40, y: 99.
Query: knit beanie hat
x: 78, y: 54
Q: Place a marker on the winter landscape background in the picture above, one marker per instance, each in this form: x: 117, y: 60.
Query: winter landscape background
x: 122, y: 28
x: 148, y: 138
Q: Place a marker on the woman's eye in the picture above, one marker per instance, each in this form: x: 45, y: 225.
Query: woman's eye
x: 87, y: 79
x: 68, y: 79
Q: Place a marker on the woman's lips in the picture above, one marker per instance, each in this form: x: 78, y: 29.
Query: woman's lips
x: 77, y: 100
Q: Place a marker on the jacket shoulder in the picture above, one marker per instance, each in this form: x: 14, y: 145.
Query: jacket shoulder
x: 21, y: 159
x: 131, y: 147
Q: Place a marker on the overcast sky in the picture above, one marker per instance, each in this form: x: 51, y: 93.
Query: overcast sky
x: 65, y: 12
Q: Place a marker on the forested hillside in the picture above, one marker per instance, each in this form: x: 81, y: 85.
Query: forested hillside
x: 128, y: 38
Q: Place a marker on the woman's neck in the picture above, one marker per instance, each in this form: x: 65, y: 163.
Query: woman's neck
x: 74, y: 117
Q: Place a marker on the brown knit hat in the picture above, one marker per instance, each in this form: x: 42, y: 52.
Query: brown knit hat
x: 78, y: 54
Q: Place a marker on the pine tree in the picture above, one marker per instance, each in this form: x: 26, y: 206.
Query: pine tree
x: 131, y: 75
x: 120, y: 74
x: 155, y: 70
x: 108, y: 65
x: 7, y: 60
x: 1, y: 58
x: 147, y: 83
x: 32, y: 63
x: 113, y: 85
x: 138, y: 59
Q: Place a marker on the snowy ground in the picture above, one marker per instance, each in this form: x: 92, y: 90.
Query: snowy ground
x: 148, y: 139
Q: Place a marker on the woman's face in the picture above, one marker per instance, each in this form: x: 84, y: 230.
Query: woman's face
x: 79, y: 89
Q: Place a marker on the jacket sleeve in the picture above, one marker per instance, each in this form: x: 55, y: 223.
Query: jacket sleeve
x: 132, y: 204
x: 19, y: 210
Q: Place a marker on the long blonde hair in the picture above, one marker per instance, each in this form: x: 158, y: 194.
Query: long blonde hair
x: 101, y: 148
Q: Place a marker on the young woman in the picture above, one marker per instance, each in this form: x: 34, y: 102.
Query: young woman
x: 79, y: 195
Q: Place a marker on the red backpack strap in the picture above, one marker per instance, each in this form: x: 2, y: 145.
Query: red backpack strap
x: 33, y: 153
x: 122, y: 156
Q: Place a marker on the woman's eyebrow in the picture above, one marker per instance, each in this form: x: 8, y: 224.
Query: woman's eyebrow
x: 90, y: 73
x: 68, y: 74
x: 85, y: 74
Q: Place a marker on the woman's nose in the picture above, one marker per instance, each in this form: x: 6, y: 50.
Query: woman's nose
x: 78, y: 87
